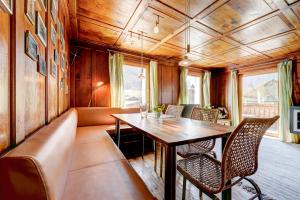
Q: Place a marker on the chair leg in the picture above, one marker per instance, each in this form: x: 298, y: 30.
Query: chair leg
x: 256, y: 187
x: 200, y: 195
x: 214, y: 154
x: 161, y: 159
x: 183, y: 188
x: 155, y: 155
x: 143, y: 146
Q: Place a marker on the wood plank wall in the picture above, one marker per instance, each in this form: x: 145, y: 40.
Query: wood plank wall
x: 221, y: 80
x: 91, y: 66
x: 29, y: 100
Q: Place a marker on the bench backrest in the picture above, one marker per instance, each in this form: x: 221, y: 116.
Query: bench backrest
x: 95, y: 116
x: 37, y: 168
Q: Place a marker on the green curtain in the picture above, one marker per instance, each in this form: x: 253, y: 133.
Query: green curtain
x: 153, y: 85
x: 116, y: 62
x: 234, y: 97
x: 285, y: 101
x: 206, y: 89
x: 183, y: 96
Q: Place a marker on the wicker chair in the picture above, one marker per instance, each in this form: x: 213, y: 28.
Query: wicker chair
x: 207, y: 146
x: 240, y: 160
x: 175, y: 111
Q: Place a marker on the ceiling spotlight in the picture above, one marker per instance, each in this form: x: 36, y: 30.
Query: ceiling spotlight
x: 156, y: 28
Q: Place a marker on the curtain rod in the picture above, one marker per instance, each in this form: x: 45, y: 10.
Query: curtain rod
x: 130, y: 54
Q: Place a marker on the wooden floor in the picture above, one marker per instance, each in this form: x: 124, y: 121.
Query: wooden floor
x: 278, y: 174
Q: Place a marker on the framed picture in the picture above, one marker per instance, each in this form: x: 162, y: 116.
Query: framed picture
x: 62, y: 64
x: 53, y: 35
x: 43, y: 4
x: 7, y: 6
x: 42, y: 66
x: 41, y: 29
x: 29, y: 11
x: 55, y: 56
x: 295, y: 119
x: 53, y: 68
x: 31, y: 46
x: 54, y: 10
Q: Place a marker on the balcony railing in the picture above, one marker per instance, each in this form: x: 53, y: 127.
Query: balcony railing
x: 264, y: 110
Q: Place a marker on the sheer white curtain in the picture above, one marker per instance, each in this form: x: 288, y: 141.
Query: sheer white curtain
x: 116, y: 62
x: 183, y: 95
x: 153, y: 85
x: 234, y: 97
x: 206, y: 89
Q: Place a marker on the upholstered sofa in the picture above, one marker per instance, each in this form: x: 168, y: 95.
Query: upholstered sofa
x: 72, y: 158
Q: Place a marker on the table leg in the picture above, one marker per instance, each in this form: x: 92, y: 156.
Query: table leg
x: 226, y: 194
x: 118, y: 132
x: 170, y: 173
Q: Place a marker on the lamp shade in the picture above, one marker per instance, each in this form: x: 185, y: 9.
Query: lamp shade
x: 185, y: 62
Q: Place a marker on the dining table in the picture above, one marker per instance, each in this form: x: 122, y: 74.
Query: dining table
x: 172, y: 132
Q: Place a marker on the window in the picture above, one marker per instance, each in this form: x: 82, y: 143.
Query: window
x: 260, y: 98
x: 193, y: 86
x: 134, y: 87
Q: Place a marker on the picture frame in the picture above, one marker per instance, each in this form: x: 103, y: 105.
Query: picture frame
x: 54, y: 10
x: 295, y: 119
x: 42, y: 69
x: 29, y: 11
x: 62, y: 64
x: 31, y: 46
x: 53, y: 68
x: 41, y: 29
x: 53, y: 34
x: 7, y: 6
x: 43, y: 4
x: 55, y: 56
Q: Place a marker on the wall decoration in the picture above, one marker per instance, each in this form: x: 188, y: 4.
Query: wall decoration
x: 55, y: 56
x: 41, y: 29
x: 54, y: 10
x: 53, y: 68
x: 29, y: 11
x: 53, y: 34
x: 62, y: 64
x: 43, y: 4
x: 42, y: 66
x: 7, y: 6
x: 295, y: 119
x: 31, y: 46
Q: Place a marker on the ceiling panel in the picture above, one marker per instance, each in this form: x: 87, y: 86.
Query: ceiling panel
x: 215, y: 47
x: 283, y: 51
x: 197, y: 38
x: 297, y: 11
x: 261, y: 30
x: 235, y: 13
x: 168, y: 51
x: 277, y: 42
x: 291, y: 1
x: 195, y: 5
x: 147, y: 21
x: 133, y: 42
x: 116, y: 12
x: 233, y: 55
x: 207, y: 62
x: 97, y: 33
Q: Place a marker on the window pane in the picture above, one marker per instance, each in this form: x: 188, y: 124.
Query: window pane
x: 193, y: 86
x: 134, y: 87
x: 260, y: 98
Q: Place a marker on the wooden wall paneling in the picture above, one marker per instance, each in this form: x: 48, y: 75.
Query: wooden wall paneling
x: 51, y: 81
x: 100, y: 73
x: 83, y: 77
x: 175, y: 84
x: 4, y: 81
x: 296, y: 82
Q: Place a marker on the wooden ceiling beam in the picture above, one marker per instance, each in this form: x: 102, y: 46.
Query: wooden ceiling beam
x: 73, y: 18
x: 141, y: 8
x: 289, y: 13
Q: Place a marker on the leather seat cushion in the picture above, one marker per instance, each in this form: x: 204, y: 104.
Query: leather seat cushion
x: 113, y: 180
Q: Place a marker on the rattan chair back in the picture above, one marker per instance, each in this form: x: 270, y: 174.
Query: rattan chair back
x: 204, y: 114
x: 240, y: 156
x: 174, y: 110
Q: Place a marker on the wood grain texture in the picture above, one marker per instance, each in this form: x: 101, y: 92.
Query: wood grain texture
x: 218, y: 27
x: 175, y: 131
x: 4, y: 81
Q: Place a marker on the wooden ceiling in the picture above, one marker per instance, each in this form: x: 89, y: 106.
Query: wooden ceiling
x: 223, y: 32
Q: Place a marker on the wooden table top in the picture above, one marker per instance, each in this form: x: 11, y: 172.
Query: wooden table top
x: 175, y: 131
